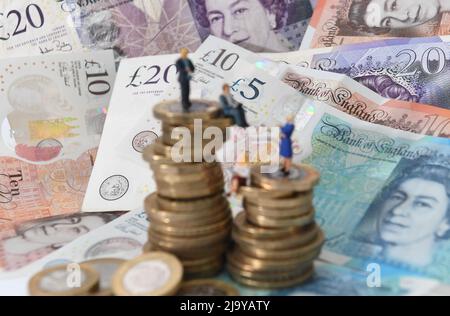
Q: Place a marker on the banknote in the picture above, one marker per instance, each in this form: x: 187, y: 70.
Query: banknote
x: 304, y: 57
x: 338, y: 22
x: 267, y: 101
x: 335, y: 280
x: 149, y: 27
x: 36, y: 27
x: 37, y: 238
x: 359, y: 101
x: 125, y: 236
x: 32, y: 191
x: 383, y: 194
x: 121, y: 179
x: 52, y: 115
x: 338, y: 90
x: 54, y: 106
x: 418, y: 73
x: 121, y: 238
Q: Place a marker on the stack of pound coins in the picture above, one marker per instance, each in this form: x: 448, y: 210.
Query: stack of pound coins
x: 276, y: 239
x: 189, y: 214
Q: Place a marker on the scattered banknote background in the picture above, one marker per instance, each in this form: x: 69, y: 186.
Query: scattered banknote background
x: 78, y: 80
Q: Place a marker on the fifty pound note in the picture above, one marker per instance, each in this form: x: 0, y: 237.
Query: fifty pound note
x: 149, y: 27
x: 54, y: 106
x: 338, y: 22
x: 35, y: 27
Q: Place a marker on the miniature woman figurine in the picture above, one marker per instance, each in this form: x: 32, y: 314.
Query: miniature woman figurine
x: 286, y: 145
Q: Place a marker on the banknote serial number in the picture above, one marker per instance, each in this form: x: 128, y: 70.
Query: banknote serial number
x: 227, y: 306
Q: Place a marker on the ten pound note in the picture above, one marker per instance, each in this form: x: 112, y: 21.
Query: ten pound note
x: 52, y: 117
x: 339, y: 22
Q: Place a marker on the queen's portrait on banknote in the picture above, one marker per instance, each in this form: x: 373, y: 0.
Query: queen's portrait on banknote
x: 37, y: 238
x: 253, y: 24
x: 411, y: 215
x: 394, y: 17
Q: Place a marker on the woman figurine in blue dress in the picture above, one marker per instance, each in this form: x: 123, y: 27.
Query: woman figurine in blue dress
x: 286, y: 144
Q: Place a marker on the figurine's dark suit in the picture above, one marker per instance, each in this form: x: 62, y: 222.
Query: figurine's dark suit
x: 184, y: 77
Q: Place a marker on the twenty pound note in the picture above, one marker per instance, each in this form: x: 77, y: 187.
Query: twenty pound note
x: 150, y: 27
x: 36, y: 27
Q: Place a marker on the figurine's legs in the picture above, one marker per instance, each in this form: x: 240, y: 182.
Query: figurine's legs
x: 287, y: 164
x: 185, y: 92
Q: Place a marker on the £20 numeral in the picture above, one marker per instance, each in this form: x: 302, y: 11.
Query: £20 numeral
x: 33, y: 16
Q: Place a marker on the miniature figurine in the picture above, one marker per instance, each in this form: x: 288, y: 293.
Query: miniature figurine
x: 241, y: 173
x: 286, y: 144
x: 185, y: 70
x: 232, y: 108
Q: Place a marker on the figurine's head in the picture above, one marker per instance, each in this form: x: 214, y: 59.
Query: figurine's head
x: 290, y: 118
x: 226, y: 88
x: 184, y: 52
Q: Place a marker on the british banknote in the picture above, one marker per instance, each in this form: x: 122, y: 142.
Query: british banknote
x: 121, y: 179
x: 149, y: 27
x: 37, y: 238
x: 339, y: 22
x: 359, y: 101
x: 124, y: 237
x: 338, y: 90
x: 54, y: 106
x: 52, y: 116
x: 383, y: 195
x: 416, y: 72
x: 121, y: 238
x: 36, y: 27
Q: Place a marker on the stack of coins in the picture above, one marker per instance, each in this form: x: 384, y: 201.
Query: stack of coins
x: 189, y: 215
x: 276, y: 237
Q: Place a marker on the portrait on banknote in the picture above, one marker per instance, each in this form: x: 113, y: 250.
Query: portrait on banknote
x: 390, y: 18
x: 410, y: 218
x: 258, y: 25
x: 37, y: 238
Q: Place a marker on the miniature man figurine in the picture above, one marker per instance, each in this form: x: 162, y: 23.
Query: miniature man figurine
x: 185, y: 69
x: 286, y: 144
x: 232, y: 108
